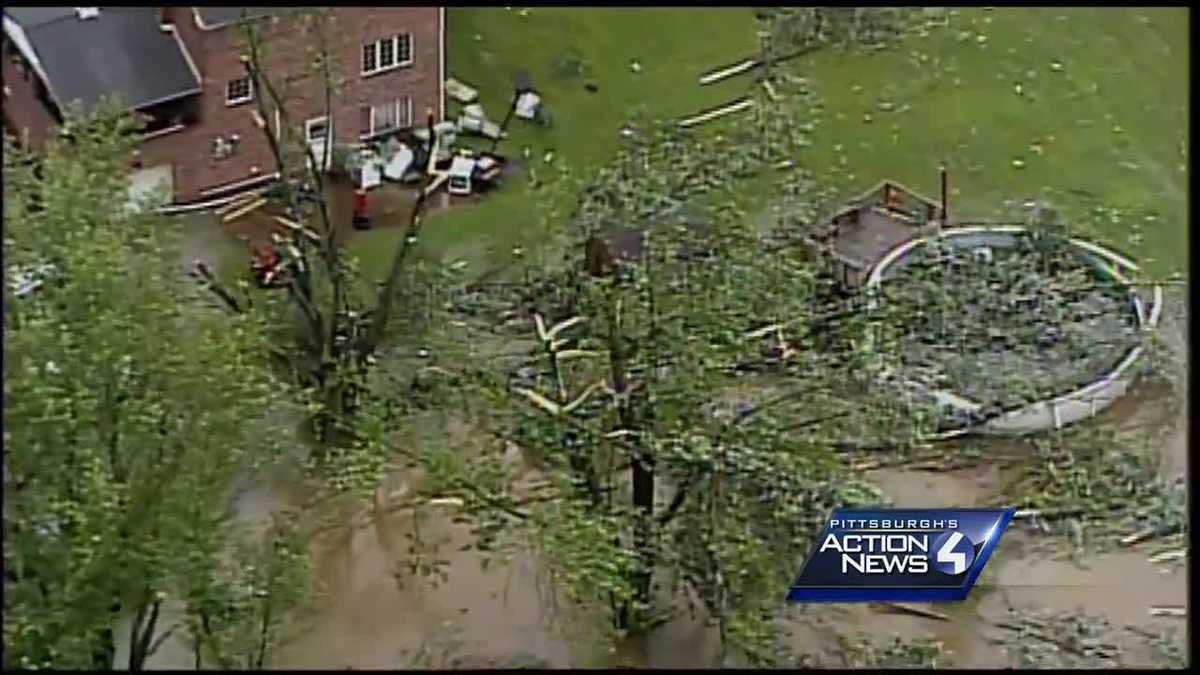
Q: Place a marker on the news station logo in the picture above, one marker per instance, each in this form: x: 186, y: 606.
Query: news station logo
x: 900, y: 555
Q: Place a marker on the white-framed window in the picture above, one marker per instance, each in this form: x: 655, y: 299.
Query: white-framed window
x: 386, y: 117
x: 239, y: 91
x: 387, y: 53
x: 316, y: 129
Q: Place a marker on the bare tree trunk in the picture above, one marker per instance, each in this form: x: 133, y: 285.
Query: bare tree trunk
x: 641, y: 467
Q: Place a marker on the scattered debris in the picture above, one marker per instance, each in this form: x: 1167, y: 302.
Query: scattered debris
x: 527, y: 105
x: 635, y: 66
x: 1173, y: 611
x: 401, y: 160
x: 297, y: 227
x: 916, y: 611
x: 491, y: 130
x: 460, y: 91
x: 1168, y: 556
x: 462, y: 169
x: 24, y: 280
x: 727, y: 109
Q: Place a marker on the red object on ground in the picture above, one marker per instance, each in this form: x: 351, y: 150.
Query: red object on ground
x: 360, y: 204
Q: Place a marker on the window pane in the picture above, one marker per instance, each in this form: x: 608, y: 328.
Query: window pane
x: 385, y: 117
x: 405, y: 111
x: 387, y: 53
x: 405, y: 48
x: 237, y: 90
x: 365, y: 120
x: 369, y: 57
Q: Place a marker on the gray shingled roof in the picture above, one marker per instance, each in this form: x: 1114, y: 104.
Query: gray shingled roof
x: 219, y: 16
x: 122, y: 52
x: 29, y: 17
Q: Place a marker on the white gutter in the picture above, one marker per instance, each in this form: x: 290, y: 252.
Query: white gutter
x: 441, y: 64
x: 187, y: 55
x: 17, y: 35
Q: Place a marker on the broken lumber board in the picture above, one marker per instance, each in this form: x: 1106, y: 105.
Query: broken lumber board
x: 728, y: 71
x: 297, y: 227
x: 238, y: 213
x: 1171, y: 611
x: 238, y: 200
x: 727, y: 109
x: 440, y: 177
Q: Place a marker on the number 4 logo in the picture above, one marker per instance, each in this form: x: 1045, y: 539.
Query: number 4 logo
x: 955, y: 553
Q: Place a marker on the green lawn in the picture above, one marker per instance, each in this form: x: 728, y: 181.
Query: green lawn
x: 1101, y: 116
x: 1110, y: 123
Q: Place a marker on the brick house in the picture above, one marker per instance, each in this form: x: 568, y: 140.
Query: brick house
x: 181, y: 67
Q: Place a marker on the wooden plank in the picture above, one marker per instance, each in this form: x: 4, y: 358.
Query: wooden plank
x: 441, y: 177
x: 730, y: 71
x: 239, y: 200
x: 297, y: 227
x: 238, y: 213
x: 728, y: 109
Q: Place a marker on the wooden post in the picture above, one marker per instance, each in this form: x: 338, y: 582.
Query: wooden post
x: 507, y: 118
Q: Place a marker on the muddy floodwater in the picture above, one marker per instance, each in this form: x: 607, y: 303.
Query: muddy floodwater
x: 373, y: 613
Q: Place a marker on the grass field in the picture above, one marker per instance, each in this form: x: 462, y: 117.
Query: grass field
x: 1102, y: 116
x: 1081, y: 106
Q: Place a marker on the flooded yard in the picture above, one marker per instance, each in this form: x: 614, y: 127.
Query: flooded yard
x: 374, y: 613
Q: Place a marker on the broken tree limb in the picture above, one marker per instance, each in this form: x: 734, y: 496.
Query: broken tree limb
x: 1048, y: 514
x: 208, y: 280
x: 1148, y: 534
x: 1167, y: 556
x: 916, y: 611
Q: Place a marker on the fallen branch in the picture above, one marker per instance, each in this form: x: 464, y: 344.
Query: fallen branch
x: 209, y: 281
x: 1148, y: 534
x: 916, y: 611
x: 1167, y: 556
x: 1049, y: 513
x: 1092, y: 649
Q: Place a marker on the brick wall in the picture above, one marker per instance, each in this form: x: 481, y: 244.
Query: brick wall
x: 217, y: 51
x: 24, y: 113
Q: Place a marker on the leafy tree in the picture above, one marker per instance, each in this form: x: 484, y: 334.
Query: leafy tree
x: 684, y: 427
x: 336, y: 319
x: 129, y: 409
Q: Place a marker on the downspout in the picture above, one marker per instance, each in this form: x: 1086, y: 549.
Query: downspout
x: 441, y: 64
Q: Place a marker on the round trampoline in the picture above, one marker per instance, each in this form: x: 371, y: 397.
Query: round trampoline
x: 1001, y: 341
